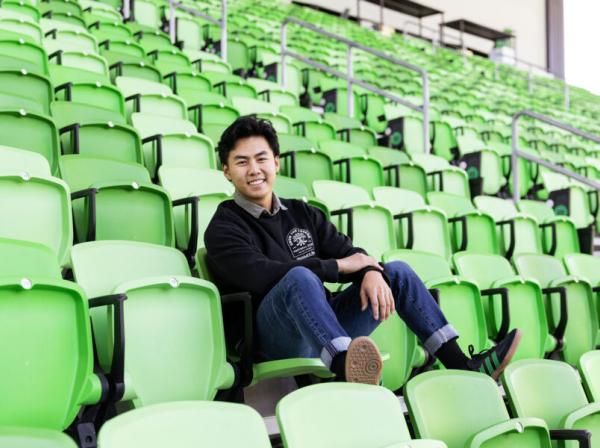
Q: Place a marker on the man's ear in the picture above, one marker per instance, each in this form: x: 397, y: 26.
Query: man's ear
x: 277, y: 164
x: 225, y: 170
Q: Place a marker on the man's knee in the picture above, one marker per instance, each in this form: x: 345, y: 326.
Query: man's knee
x: 303, y: 277
x: 399, y: 271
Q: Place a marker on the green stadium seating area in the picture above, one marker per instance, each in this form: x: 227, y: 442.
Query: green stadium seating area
x: 109, y: 178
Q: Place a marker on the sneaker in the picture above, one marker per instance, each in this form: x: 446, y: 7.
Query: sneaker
x: 492, y: 362
x: 363, y: 361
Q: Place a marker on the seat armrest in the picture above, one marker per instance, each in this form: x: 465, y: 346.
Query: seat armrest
x: 515, y: 425
x: 571, y: 419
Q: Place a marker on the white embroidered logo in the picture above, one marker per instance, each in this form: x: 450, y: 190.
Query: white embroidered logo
x: 300, y: 243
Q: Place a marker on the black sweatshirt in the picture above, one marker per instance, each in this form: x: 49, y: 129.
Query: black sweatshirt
x: 251, y: 254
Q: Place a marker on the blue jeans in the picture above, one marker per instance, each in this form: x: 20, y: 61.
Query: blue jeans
x: 295, y: 319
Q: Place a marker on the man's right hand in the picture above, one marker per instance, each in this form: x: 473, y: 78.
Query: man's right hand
x: 356, y: 262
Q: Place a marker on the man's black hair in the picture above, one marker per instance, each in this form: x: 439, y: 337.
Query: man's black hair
x: 244, y: 127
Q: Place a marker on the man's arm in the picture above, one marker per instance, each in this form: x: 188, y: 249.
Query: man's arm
x: 233, y: 256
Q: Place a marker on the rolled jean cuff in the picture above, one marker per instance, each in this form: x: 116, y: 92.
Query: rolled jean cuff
x: 440, y: 337
x: 333, y: 347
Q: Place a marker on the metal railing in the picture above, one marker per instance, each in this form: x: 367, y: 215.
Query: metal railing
x: 349, y: 77
x: 516, y: 152
x: 222, y: 22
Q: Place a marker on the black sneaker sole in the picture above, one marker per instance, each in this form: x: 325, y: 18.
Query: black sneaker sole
x: 363, y: 361
x: 509, y: 354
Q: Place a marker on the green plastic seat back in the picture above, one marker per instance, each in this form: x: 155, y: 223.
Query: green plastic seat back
x: 190, y: 86
x: 100, y: 95
x: 39, y: 209
x: 589, y: 368
x: 80, y: 172
x: 538, y: 209
x: 138, y: 70
x: 543, y: 388
x: 23, y: 90
x: 148, y: 13
x: 23, y: 55
x: 338, y: 195
x: 249, y: 106
x: 27, y: 259
x: 311, y: 165
x: 111, y: 141
x: 280, y: 122
x: 66, y: 113
x: 31, y: 132
x: 299, y: 114
x: 22, y: 28
x: 453, y: 406
x: 80, y: 67
x: 194, y: 422
x: 290, y: 188
x: 17, y: 437
x: 323, y: 415
x: 218, y: 114
x: 339, y: 150
x: 21, y: 160
x: 582, y: 324
x: 397, y: 200
x: 238, y: 55
x: 163, y: 106
x: 316, y: 131
x: 61, y: 369
x: 584, y: 266
x: 291, y: 142
x: 189, y: 31
x: 373, y: 229
x: 169, y: 61
x: 67, y: 40
x: 130, y: 86
x: 388, y: 156
x: 340, y: 121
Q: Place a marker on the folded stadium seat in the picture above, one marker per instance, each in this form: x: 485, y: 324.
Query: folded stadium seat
x: 351, y: 130
x: 190, y: 34
x: 576, y: 201
x: 589, y: 365
x: 116, y: 200
x: 273, y: 93
x: 94, y: 12
x: 444, y: 142
x: 406, y: 133
x: 290, y: 188
x: 20, y: 10
x: 368, y: 224
x: 159, y: 289
x: 173, y: 142
x: 36, y: 303
x: 211, y: 65
x: 570, y: 302
x: 238, y: 55
x: 51, y: 24
x: 364, y: 416
x: 354, y: 165
x: 481, y: 163
x: 311, y: 84
x: 67, y: 40
x: 335, y: 95
x: 151, y: 40
x: 230, y: 85
x: 110, y: 31
x: 20, y: 89
x: 209, y: 108
x: 148, y: 16
x: 21, y: 160
x: 293, y: 72
x: 418, y: 226
x: 158, y: 105
x: 31, y: 132
x: 465, y: 409
x: 471, y: 229
x: 13, y: 28
x: 442, y: 176
x: 195, y: 423
x: 511, y: 301
x: 23, y: 55
x: 67, y: 7
x: 188, y: 84
x: 399, y: 170
x: 77, y: 66
x: 302, y: 161
x: 203, y: 190
x: 123, y: 66
x: 263, y: 109
x: 552, y: 390
x: 559, y: 235
x: 517, y: 232
x: 169, y: 61
x: 458, y: 297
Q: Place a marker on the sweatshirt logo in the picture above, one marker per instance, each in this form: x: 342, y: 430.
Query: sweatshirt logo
x: 300, y: 243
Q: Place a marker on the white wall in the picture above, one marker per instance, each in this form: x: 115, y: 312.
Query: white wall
x: 527, y: 18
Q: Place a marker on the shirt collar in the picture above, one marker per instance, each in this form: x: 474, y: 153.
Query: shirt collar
x: 256, y: 210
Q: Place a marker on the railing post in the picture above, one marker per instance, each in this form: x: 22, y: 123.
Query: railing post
x: 425, y: 107
x: 126, y: 9
x: 283, y: 51
x: 172, y: 23
x: 224, y: 30
x: 350, y: 75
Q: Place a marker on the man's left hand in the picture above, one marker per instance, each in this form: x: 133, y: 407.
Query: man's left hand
x: 375, y: 290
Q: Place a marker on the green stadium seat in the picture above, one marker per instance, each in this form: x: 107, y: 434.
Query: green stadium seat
x: 147, y: 14
x: 20, y: 89
x: 290, y: 188
x: 34, y: 438
x: 442, y: 176
x: 13, y: 28
x: 399, y: 170
x: 188, y: 85
x: 351, y: 130
x: 169, y: 61
x: 116, y: 200
x: 552, y: 391
x: 418, y: 226
x: 466, y: 409
x: 230, y: 85
x: 77, y: 66
x: 19, y: 160
x: 104, y: 96
x: 559, y: 234
x: 510, y: 301
x: 569, y: 302
x: 471, y: 229
x: 66, y: 7
x: 151, y: 40
x: 68, y: 40
x: 273, y: 92
x: 365, y: 416
x: 111, y: 32
x: 31, y: 132
x: 20, y: 10
x: 185, y: 312
x: 588, y: 365
x: 23, y: 55
x: 517, y: 232
x: 186, y: 423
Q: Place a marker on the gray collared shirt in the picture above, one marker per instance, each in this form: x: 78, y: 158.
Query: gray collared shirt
x: 255, y: 209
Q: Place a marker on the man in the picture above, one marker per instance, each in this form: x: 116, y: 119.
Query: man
x: 282, y: 251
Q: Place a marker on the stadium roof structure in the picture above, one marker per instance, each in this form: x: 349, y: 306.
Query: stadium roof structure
x: 476, y: 29
x: 408, y: 7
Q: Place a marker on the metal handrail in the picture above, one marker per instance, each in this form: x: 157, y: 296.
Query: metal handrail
x: 516, y: 152
x: 222, y: 23
x: 424, y: 108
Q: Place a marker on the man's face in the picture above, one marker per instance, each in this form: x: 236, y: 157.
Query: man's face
x: 252, y: 167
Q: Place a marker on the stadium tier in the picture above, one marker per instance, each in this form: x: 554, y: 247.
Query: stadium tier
x: 110, y: 321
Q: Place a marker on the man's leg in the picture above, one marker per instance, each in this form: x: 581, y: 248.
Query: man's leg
x: 295, y: 320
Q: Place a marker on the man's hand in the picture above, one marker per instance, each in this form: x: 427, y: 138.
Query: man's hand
x: 375, y: 290
x: 356, y: 262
